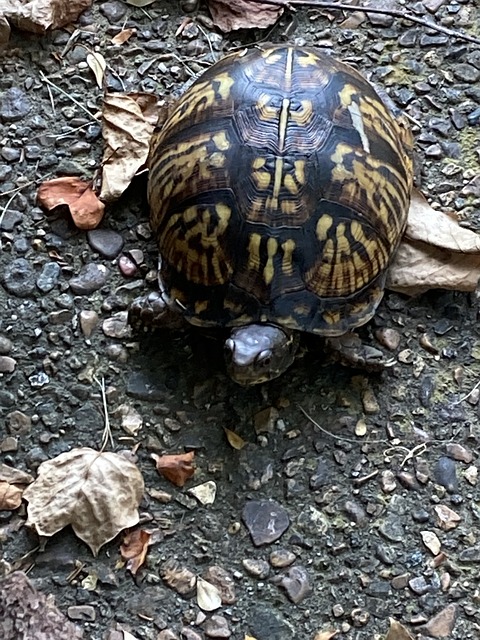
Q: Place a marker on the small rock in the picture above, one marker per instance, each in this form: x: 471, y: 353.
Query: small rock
x: 431, y: 541
x: 459, y: 452
x: 88, y: 322
x: 82, y: 612
x: 217, y: 627
x: 19, y: 278
x: 389, y: 338
x: 281, y: 558
x: 117, y: 326
x: 18, y: 423
x: 442, y: 624
x: 447, y: 519
x: 445, y: 473
x: 296, y: 583
x: 419, y: 585
x: 370, y: 403
x: 208, y: 595
x: 6, y: 345
x: 127, y: 267
x: 388, y: 482
x: 256, y: 568
x: 114, y: 11
x: 179, y: 578
x: 10, y: 219
x: 224, y: 582
x: 7, y: 364
x: 265, y: 520
x: 466, y: 72
x: 106, y: 242
x: 48, y: 277
x: 205, y: 493
x: 15, y: 105
x: 356, y: 513
x: 91, y: 278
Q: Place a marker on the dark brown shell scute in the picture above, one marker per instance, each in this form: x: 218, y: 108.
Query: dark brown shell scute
x: 279, y: 189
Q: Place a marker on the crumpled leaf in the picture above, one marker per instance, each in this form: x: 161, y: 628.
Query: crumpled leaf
x: 97, y: 493
x: 10, y: 496
x: 208, y: 595
x: 177, y: 468
x: 14, y: 476
x: 435, y: 253
x: 134, y: 549
x: 85, y: 208
x: 234, y: 440
x: 128, y: 123
x: 123, y: 35
x: 97, y: 64
x: 140, y: 3
x: 326, y: 635
x: 243, y: 14
x: 39, y: 15
x: 397, y: 631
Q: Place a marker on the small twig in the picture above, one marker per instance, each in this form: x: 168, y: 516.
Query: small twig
x: 74, y: 100
x: 395, y: 13
x: 333, y: 435
x: 107, y: 432
x: 466, y: 396
x: 214, y: 57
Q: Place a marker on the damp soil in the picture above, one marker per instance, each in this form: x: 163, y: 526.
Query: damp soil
x: 357, y: 463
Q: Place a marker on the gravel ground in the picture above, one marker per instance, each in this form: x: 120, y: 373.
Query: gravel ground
x: 352, y: 496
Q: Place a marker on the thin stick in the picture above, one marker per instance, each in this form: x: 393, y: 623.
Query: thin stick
x: 79, y: 104
x: 333, y: 435
x: 107, y: 432
x: 290, y: 4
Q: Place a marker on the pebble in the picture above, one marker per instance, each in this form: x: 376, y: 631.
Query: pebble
x: 389, y: 338
x: 466, y: 73
x: 321, y: 477
x: 127, y: 267
x: 167, y: 634
x: 356, y: 513
x: 419, y: 585
x: 90, y: 278
x: 281, y: 558
x: 459, y: 452
x: 106, y: 242
x: 256, y: 567
x: 296, y: 583
x: 19, y: 278
x: 266, y: 521
x: 88, y: 322
x: 7, y: 364
x: 117, y: 326
x: 14, y: 105
x: 445, y: 473
x: 217, y: 627
x: 442, y: 624
x: 224, y: 582
x: 179, y: 578
x: 82, y: 612
x: 387, y: 480
x: 10, y: 219
x: 6, y: 345
x: 189, y: 634
x: 114, y: 11
x: 48, y: 278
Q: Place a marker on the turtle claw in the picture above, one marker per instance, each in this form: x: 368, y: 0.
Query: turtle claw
x: 153, y: 311
x: 351, y: 351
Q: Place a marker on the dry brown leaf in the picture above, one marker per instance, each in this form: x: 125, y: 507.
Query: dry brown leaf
x: 435, y: 253
x: 97, y: 64
x: 128, y: 122
x: 243, y: 14
x: 10, y: 496
x: 134, y: 549
x: 97, y: 493
x: 234, y: 440
x: 397, y: 631
x: 85, y: 208
x: 177, y: 468
x: 39, y: 15
x: 123, y: 36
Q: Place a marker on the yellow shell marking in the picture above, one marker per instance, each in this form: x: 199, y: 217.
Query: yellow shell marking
x: 323, y: 225
x: 254, y: 251
x: 269, y: 271
x: 221, y: 141
x: 307, y: 59
x: 288, y: 248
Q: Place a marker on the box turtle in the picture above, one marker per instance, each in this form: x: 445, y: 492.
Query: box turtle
x: 279, y: 188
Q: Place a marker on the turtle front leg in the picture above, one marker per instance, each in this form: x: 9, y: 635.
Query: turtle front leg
x: 352, y: 352
x: 155, y: 312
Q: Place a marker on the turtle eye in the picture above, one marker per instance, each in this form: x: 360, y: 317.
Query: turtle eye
x: 264, y: 358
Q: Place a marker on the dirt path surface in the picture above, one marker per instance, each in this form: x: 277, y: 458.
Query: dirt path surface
x: 339, y: 525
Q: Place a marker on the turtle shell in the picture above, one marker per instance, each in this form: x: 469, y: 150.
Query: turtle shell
x: 279, y: 189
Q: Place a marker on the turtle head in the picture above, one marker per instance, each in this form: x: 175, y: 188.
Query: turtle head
x: 257, y: 353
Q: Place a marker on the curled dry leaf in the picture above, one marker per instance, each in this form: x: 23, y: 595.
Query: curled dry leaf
x: 86, y: 209
x: 39, y: 15
x: 234, y: 440
x: 177, y: 468
x: 435, y: 253
x: 10, y: 496
x: 14, y: 476
x: 208, y: 595
x: 97, y: 64
x: 97, y: 493
x: 140, y: 3
x: 128, y: 122
x: 134, y: 549
x: 243, y: 14
x: 397, y: 631
x: 123, y: 36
